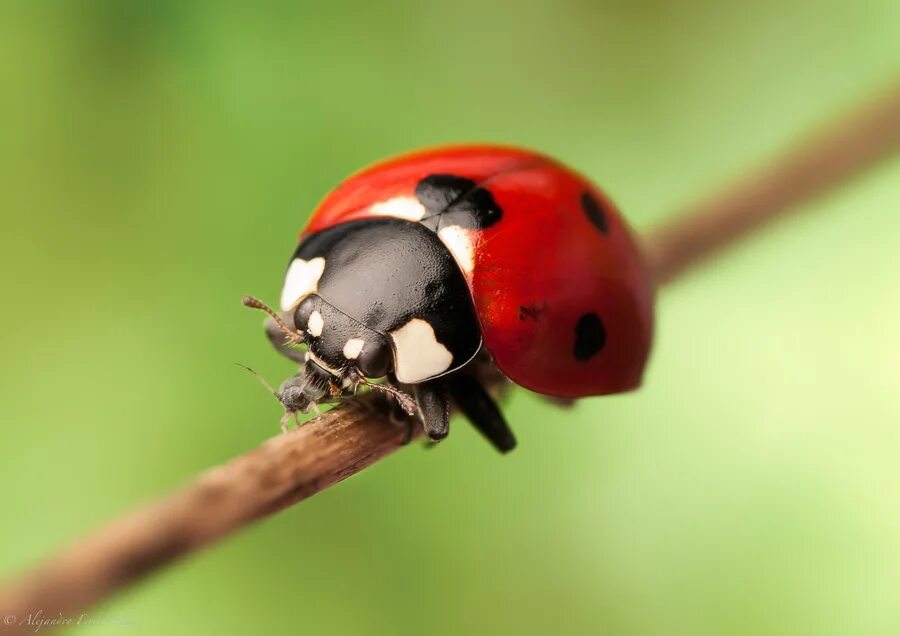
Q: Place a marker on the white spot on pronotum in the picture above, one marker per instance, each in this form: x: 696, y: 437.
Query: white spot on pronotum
x: 418, y: 355
x: 315, y: 324
x: 302, y: 279
x: 353, y: 348
x: 400, y: 207
x: 459, y: 242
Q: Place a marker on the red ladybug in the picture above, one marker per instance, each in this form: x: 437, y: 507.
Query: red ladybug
x: 410, y: 268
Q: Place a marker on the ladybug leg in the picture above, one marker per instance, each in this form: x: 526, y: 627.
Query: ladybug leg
x: 283, y: 423
x: 479, y: 407
x: 400, y: 406
x: 434, y: 409
x: 398, y: 417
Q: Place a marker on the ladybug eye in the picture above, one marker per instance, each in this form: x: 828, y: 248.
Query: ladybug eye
x: 374, y: 360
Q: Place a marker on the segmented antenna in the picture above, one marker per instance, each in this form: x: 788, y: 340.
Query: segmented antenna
x: 288, y: 413
x: 261, y: 379
x: 295, y: 336
x: 404, y: 399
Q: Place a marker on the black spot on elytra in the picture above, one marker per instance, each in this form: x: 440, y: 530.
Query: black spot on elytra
x: 590, y: 336
x: 594, y: 212
x: 452, y: 200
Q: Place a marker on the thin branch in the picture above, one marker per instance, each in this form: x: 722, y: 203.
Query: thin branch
x: 283, y: 471
x: 812, y: 168
x: 291, y: 467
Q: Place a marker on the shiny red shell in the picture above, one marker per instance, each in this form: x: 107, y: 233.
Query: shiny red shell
x: 538, y: 272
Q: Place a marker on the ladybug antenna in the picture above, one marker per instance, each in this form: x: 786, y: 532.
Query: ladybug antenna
x: 294, y: 336
x: 288, y: 413
x: 404, y: 399
x: 261, y: 379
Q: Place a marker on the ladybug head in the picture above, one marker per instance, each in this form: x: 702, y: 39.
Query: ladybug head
x: 341, y: 354
x: 340, y: 345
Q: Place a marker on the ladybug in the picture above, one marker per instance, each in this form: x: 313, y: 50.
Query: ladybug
x: 415, y: 273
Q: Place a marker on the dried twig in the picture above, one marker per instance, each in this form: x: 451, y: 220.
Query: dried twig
x: 286, y: 469
x: 347, y: 439
x: 814, y: 166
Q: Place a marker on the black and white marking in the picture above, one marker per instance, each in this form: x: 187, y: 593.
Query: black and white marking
x: 393, y: 285
x: 302, y: 279
x: 401, y: 208
x: 417, y: 352
x: 452, y: 200
x: 353, y: 347
x: 315, y: 324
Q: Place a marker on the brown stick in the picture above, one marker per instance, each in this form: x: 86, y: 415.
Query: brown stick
x: 813, y: 167
x: 291, y: 467
x: 283, y: 471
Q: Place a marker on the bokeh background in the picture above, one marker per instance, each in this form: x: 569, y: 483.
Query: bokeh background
x: 156, y: 162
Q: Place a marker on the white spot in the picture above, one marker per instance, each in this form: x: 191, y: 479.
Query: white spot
x: 400, y: 207
x: 301, y: 280
x: 418, y: 355
x: 459, y: 242
x: 315, y: 324
x: 353, y: 348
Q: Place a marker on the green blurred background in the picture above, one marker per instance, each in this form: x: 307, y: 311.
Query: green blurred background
x: 156, y: 162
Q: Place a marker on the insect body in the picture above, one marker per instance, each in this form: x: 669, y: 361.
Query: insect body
x: 411, y: 268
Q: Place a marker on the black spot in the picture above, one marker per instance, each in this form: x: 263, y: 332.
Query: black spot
x: 590, y: 336
x: 594, y: 212
x: 451, y: 200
